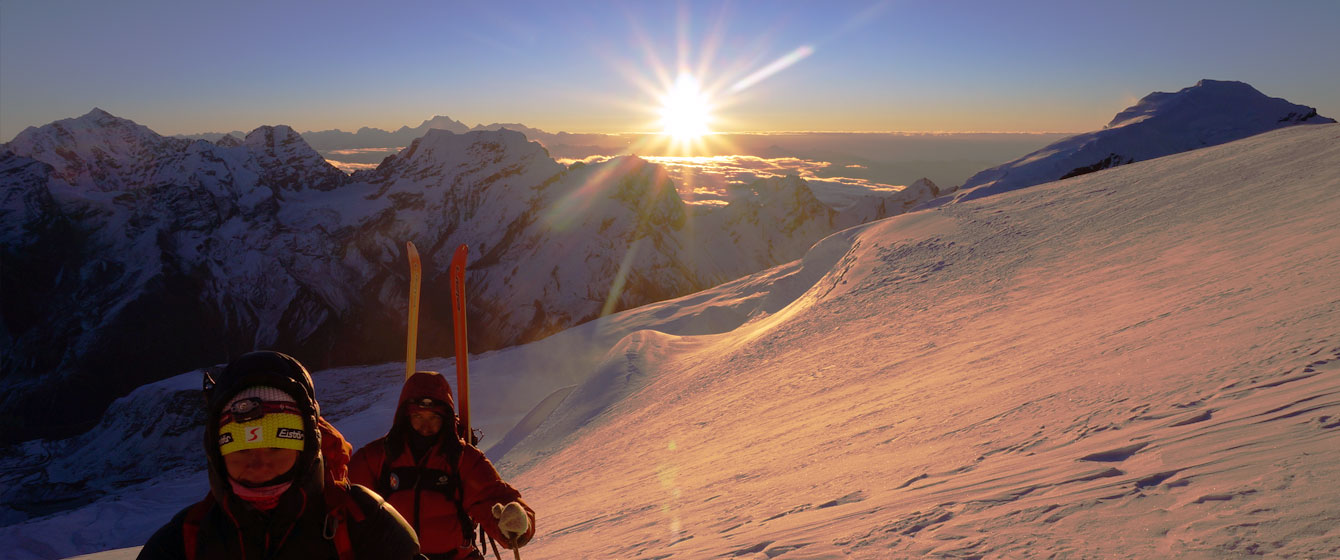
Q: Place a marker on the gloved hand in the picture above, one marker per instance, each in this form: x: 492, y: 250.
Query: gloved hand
x: 512, y: 522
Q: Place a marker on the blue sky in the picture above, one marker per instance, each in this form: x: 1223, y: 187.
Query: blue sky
x: 182, y: 67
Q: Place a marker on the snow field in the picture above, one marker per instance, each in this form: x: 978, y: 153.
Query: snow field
x: 1136, y: 363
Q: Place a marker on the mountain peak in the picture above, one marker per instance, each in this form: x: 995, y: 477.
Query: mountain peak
x: 228, y: 141
x: 280, y: 132
x: 290, y: 162
x: 97, y: 118
x: 927, y: 184
x: 441, y: 151
x: 441, y: 122
x: 1209, y: 113
x: 441, y: 142
x: 279, y: 140
x: 1224, y: 85
x: 1212, y: 99
x: 97, y: 151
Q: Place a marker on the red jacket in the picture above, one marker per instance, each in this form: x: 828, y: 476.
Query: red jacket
x: 426, y: 493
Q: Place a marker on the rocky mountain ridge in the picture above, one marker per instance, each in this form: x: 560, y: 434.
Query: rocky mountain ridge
x: 131, y: 256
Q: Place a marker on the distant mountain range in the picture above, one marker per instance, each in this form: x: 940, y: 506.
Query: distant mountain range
x: 884, y: 158
x: 129, y: 256
x: 367, y: 137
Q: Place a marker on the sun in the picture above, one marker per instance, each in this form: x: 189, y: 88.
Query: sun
x: 685, y: 110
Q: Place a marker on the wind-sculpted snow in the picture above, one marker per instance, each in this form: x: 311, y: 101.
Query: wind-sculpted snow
x: 1206, y: 114
x: 997, y: 380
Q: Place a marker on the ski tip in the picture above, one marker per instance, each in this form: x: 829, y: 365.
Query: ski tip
x: 462, y: 254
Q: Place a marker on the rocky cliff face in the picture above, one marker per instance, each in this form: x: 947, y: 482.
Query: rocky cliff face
x: 122, y: 253
x: 129, y: 256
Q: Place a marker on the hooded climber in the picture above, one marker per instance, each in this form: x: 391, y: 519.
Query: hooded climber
x: 277, y: 475
x: 442, y: 485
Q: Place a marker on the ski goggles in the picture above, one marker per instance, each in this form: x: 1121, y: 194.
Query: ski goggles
x: 255, y: 424
x: 247, y: 410
x: 429, y: 404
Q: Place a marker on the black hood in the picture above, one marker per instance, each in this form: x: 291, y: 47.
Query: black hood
x: 271, y: 369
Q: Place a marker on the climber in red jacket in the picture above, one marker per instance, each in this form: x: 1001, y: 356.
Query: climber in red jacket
x: 443, y: 486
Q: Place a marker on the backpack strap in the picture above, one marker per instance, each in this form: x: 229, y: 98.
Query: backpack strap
x: 467, y: 524
x: 384, y: 474
x: 341, y: 510
x: 337, y: 530
x: 190, y: 527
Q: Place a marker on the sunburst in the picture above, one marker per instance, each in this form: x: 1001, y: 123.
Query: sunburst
x: 686, y: 111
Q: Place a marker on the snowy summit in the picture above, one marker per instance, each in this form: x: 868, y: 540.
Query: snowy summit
x: 1209, y: 113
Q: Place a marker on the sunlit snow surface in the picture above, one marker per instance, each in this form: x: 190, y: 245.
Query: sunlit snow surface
x: 1142, y: 362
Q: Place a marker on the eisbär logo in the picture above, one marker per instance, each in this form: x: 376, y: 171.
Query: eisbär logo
x: 255, y: 433
x: 289, y: 433
x: 225, y: 439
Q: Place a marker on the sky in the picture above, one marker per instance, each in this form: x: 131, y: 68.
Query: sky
x: 1057, y: 66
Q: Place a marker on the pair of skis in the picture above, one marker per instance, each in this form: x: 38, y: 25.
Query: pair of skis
x: 457, y: 272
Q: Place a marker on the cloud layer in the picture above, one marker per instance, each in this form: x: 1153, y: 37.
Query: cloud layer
x: 708, y: 180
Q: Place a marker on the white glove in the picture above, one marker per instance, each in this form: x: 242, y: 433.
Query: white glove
x: 512, y: 521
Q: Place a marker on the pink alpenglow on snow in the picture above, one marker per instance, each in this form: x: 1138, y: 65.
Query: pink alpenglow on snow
x: 1142, y: 362
x: 1139, y: 362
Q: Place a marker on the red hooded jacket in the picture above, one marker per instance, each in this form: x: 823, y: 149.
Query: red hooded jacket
x: 432, y: 492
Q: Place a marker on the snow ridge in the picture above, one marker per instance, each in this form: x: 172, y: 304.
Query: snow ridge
x: 1209, y: 113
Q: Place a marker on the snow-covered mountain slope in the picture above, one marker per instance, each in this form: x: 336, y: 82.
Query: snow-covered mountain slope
x: 130, y: 258
x: 1046, y: 373
x: 114, y: 235
x: 290, y: 163
x: 873, y: 206
x: 1209, y: 113
x: 98, y: 151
